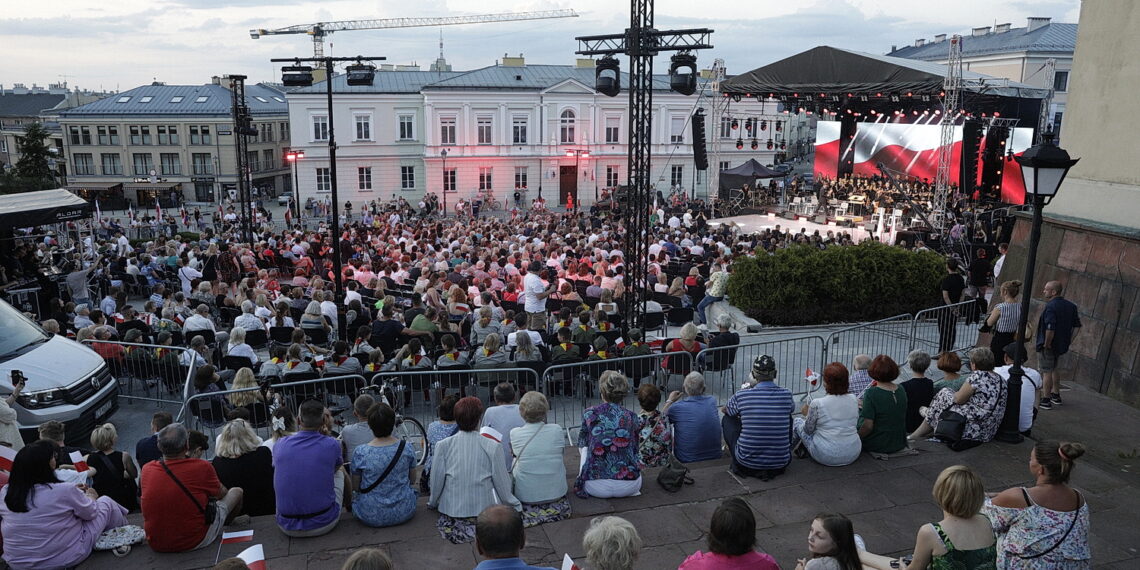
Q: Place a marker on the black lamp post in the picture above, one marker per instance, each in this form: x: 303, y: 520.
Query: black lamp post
x: 446, y: 177
x: 1043, y: 168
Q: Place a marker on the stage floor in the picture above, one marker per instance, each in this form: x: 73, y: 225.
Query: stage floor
x: 750, y: 223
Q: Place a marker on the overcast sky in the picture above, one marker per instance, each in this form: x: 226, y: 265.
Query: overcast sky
x: 120, y: 45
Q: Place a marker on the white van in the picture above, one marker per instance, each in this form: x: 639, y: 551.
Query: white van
x: 66, y: 381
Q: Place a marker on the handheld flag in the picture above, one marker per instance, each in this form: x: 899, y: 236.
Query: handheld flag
x: 157, y: 209
x: 7, y: 456
x: 98, y: 213
x: 78, y: 461
x: 131, y: 212
x: 491, y: 433
x: 568, y: 563
x: 811, y: 376
x: 238, y: 536
x: 254, y: 557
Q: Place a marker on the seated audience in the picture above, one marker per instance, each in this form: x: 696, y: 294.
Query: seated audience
x: 609, y: 441
x: 242, y: 462
x: 831, y: 543
x: 499, y: 536
x: 382, y: 470
x: 981, y: 399
x: 1030, y: 389
x: 919, y: 389
x: 882, y: 419
x: 696, y: 421
x: 827, y: 428
x: 307, y: 475
x: 611, y: 543
x: 731, y: 541
x: 437, y: 431
x: 757, y: 424
x: 538, y: 469
x: 860, y: 377
x: 656, y: 437
x: 357, y: 433
x: 951, y: 366
x: 504, y: 416
x: 116, y: 473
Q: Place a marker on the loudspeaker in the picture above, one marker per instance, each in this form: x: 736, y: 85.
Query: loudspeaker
x: 971, y: 147
x: 700, y: 154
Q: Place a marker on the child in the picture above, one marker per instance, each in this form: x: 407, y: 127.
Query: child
x: 635, y: 347
x: 437, y: 431
x: 565, y: 350
x: 451, y: 356
x: 832, y: 545
x: 583, y: 333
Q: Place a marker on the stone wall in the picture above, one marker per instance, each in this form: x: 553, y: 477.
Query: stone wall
x: 1099, y: 266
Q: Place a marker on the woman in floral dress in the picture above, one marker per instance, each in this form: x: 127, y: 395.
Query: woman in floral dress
x: 656, y: 439
x: 609, y: 441
x: 981, y: 399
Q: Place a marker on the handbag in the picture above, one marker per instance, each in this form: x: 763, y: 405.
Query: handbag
x: 210, y: 511
x: 674, y: 475
x: 519, y: 456
x: 388, y: 469
x: 951, y: 426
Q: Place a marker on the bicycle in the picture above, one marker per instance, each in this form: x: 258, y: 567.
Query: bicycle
x: 408, y: 429
x: 488, y: 201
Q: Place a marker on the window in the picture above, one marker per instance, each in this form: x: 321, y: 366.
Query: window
x: 677, y: 130
x: 1057, y: 121
x: 262, y: 99
x: 171, y: 164
x: 449, y: 180
x: 324, y: 180
x: 202, y: 99
x: 176, y: 99
x: 726, y: 127
x: 269, y: 159
x: 143, y: 163
x: 407, y: 178
x: 284, y: 131
x: 80, y: 135
x: 676, y: 174
x: 82, y: 163
x: 611, y: 176
x: 123, y: 99
x: 364, y: 177
x: 363, y: 127
x: 112, y: 164
x: 265, y: 132
x: 566, y: 124
x: 613, y: 130
x: 447, y: 130
x: 253, y: 160
x: 200, y: 134
x: 485, y: 178
x: 140, y: 135
x: 320, y: 127
x: 722, y: 166
x: 167, y: 134
x: 518, y: 130
x: 406, y: 126
x: 1061, y: 81
x: 483, y: 128
x: 520, y: 176
x: 108, y: 135
x: 278, y: 99
x: 146, y: 99
x: 202, y: 163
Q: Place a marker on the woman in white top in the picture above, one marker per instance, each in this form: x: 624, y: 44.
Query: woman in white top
x: 238, y: 347
x: 538, y: 469
x: 828, y: 428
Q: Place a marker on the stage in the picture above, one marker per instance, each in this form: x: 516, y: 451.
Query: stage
x: 751, y: 223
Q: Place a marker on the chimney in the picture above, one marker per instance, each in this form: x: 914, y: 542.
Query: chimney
x: 919, y: 42
x: 584, y: 62
x: 514, y: 61
x: 1037, y: 23
x: 981, y: 31
x: 1001, y: 28
x: 939, y: 38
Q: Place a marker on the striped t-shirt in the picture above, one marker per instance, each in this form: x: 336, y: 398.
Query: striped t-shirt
x: 765, y: 413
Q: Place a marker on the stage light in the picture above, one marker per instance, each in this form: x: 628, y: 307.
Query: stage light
x: 997, y: 114
x: 685, y: 81
x: 736, y: 97
x: 770, y: 145
x: 783, y: 145
x: 895, y: 98
x: 763, y: 125
x: 863, y: 98
x: 755, y: 144
x: 925, y: 98
x: 297, y: 76
x: 360, y: 73
x: 739, y: 144
x: 607, y: 76
x: 735, y: 124
x: 779, y: 126
x: 909, y: 94
x: 1009, y: 155
x: 748, y: 125
x: 799, y: 110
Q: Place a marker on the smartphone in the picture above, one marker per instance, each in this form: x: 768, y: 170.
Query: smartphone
x: 906, y: 560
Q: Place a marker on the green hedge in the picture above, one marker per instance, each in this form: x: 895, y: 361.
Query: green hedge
x: 804, y: 285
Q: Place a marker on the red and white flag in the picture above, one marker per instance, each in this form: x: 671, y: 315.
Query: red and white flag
x: 7, y: 457
x: 491, y: 433
x: 131, y: 212
x: 568, y: 563
x: 157, y: 209
x: 78, y: 461
x: 185, y: 216
x: 254, y: 557
x: 238, y: 536
x: 98, y: 213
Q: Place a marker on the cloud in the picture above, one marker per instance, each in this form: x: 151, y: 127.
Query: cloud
x: 69, y: 27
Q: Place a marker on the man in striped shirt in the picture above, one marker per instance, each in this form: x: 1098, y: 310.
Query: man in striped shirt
x: 757, y: 424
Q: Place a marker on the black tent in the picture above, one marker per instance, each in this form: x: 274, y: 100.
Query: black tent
x: 28, y: 209
x: 746, y: 173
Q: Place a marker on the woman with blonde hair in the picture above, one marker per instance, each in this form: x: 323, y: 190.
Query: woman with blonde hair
x: 962, y: 539
x: 115, y: 471
x: 490, y: 353
x: 1005, y: 316
x: 245, y: 380
x: 243, y: 462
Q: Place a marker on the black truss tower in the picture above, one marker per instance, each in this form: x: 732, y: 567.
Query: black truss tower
x: 242, y: 122
x: 641, y: 42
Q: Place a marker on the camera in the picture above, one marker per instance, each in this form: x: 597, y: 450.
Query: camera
x: 18, y: 378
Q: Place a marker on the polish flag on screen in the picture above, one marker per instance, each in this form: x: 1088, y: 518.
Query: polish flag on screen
x: 568, y: 563
x: 77, y: 461
x: 254, y: 557
x: 239, y: 536
x: 7, y: 456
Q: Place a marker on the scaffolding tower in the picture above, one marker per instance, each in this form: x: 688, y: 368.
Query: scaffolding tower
x: 950, y: 108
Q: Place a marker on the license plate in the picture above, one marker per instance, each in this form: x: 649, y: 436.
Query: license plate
x: 102, y: 410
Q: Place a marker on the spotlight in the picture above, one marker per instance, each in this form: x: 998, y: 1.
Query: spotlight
x: 736, y: 97
x: 755, y: 144
x: 684, y: 82
x: 763, y: 125
x: 735, y: 124
x: 360, y: 74
x: 779, y: 126
x: 607, y: 76
x: 739, y: 144
x: 1009, y: 155
x: 748, y: 125
x: 895, y: 98
x: 863, y: 98
x: 783, y: 145
x: 297, y: 76
x: 770, y: 145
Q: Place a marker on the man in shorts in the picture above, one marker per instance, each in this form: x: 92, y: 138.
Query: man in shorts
x: 1059, y: 324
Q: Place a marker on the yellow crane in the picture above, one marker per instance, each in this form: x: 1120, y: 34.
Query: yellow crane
x: 321, y: 29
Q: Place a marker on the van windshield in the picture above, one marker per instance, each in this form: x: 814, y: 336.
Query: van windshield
x: 19, y: 332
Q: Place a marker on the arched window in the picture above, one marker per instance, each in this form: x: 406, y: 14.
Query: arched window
x: 567, y: 123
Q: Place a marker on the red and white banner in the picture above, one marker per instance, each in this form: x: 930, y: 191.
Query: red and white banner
x: 7, y: 457
x: 238, y: 536
x: 78, y: 461
x: 491, y: 433
x: 254, y: 557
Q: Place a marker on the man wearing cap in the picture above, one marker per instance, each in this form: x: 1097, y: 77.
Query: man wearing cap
x: 535, y: 293
x: 757, y: 424
x: 1030, y: 389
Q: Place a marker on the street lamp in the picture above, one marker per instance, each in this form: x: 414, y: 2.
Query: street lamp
x: 443, y: 153
x: 294, y: 157
x: 578, y: 154
x: 1043, y: 167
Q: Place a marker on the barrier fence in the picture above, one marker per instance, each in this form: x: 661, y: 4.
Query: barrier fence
x: 150, y: 367
x: 890, y: 336
x: 572, y: 387
x: 733, y: 364
x: 947, y: 328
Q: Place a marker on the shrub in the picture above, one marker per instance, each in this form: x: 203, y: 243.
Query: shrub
x: 802, y: 285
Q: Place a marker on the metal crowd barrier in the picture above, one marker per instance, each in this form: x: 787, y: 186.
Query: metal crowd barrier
x: 732, y: 365
x: 423, y: 388
x: 572, y: 387
x: 890, y: 336
x: 152, y: 367
x: 947, y: 328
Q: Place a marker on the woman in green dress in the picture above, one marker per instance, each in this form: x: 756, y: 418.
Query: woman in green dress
x: 963, y: 539
x: 882, y: 419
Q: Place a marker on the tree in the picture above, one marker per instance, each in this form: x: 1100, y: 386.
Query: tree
x: 33, y: 171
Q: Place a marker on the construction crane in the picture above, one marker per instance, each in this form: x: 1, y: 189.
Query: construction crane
x: 321, y: 29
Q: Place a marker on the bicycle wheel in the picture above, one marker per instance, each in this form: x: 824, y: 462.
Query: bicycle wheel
x: 496, y: 205
x: 412, y: 431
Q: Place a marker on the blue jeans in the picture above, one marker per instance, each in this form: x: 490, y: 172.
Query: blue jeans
x: 705, y: 302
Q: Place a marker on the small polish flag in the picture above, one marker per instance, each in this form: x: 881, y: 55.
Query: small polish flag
x: 491, y: 433
x: 239, y: 536
x: 620, y: 344
x: 254, y: 557
x: 78, y: 461
x: 568, y: 563
x: 7, y: 456
x: 811, y: 376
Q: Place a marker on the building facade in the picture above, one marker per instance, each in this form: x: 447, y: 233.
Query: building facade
x: 1017, y: 54
x: 173, y: 144
x: 21, y: 106
x: 536, y: 128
